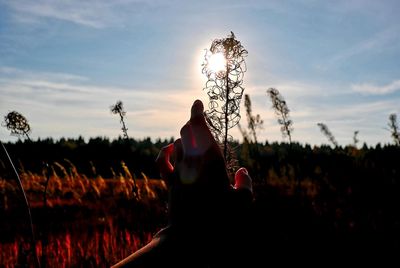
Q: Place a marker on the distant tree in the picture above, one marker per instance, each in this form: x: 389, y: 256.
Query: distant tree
x: 118, y: 108
x: 282, y: 111
x: 325, y: 130
x: 394, y: 128
x: 17, y: 124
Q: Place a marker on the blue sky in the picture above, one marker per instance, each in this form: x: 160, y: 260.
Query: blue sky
x: 63, y: 63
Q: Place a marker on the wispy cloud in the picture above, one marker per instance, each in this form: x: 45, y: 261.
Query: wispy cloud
x: 60, y: 104
x: 10, y: 72
x: 371, y: 89
x: 367, y: 116
x: 376, y: 42
x: 96, y: 14
x: 336, y: 105
x: 66, y: 105
x: 105, y: 13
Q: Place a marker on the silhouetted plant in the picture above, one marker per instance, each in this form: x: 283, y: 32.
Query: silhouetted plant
x: 21, y: 187
x: 325, y: 130
x: 224, y: 87
x: 250, y: 153
x: 245, y: 135
x: 394, y: 128
x: 118, y: 108
x: 17, y: 124
x: 282, y: 111
x: 253, y: 122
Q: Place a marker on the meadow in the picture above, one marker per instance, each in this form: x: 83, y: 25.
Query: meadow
x: 85, y: 222
x: 97, y: 210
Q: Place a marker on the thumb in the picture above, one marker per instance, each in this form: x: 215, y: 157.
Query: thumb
x: 243, y: 180
x: 163, y: 161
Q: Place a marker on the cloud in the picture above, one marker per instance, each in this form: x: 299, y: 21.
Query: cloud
x: 367, y: 88
x: 343, y: 110
x: 367, y: 116
x: 65, y: 105
x: 95, y: 14
x: 10, y: 72
x: 105, y: 13
x: 376, y: 42
x: 69, y: 92
x: 60, y: 105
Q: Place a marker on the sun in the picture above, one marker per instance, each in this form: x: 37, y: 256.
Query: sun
x: 217, y: 62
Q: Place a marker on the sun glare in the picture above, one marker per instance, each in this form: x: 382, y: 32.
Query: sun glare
x: 217, y: 62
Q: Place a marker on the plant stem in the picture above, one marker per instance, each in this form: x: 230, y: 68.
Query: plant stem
x: 33, y: 244
x: 124, y: 129
x: 226, y: 110
x: 287, y: 128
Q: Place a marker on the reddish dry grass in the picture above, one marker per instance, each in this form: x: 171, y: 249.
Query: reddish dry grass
x: 100, y: 248
x: 101, y: 240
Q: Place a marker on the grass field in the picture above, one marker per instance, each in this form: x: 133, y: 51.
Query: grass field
x: 306, y: 207
x: 86, y: 222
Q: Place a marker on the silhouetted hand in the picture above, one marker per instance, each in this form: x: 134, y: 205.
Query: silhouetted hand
x: 198, y: 177
x: 202, y: 203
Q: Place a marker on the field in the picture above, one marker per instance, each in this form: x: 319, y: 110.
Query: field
x: 86, y: 222
x: 307, y: 200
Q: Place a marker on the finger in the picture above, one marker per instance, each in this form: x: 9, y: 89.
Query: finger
x: 163, y: 160
x: 187, y: 157
x: 188, y: 142
x: 243, y: 180
x: 201, y: 133
x: 197, y: 113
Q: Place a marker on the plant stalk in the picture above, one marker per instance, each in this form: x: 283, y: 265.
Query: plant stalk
x: 226, y: 110
x: 33, y: 242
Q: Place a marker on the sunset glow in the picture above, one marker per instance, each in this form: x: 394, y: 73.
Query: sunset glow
x: 217, y: 62
x: 334, y: 63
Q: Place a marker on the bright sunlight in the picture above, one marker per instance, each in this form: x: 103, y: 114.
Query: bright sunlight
x: 217, y: 62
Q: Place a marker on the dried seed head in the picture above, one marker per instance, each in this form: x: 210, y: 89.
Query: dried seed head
x: 17, y: 124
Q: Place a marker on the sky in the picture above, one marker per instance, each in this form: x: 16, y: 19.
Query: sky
x: 64, y: 63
